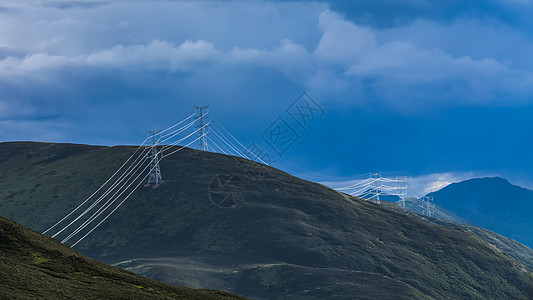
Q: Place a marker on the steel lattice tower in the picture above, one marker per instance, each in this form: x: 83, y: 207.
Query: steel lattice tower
x: 429, y: 208
x: 155, y: 171
x: 202, y: 126
x: 377, y: 187
x: 401, y: 190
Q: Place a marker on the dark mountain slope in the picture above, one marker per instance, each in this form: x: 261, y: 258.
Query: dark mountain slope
x: 33, y: 266
x: 286, y: 238
x: 491, y: 203
x: 516, y: 250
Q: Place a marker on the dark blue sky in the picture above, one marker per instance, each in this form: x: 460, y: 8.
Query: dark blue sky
x: 436, y: 90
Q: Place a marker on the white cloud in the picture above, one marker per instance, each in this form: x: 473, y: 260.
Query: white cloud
x: 158, y: 55
x: 420, y: 186
x: 45, y: 44
x: 328, y: 56
x: 342, y: 41
x: 398, y: 67
x: 40, y: 61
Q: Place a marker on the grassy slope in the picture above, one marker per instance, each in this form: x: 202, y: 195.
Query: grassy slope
x: 516, y: 250
x: 33, y: 266
x: 297, y: 225
x: 274, y: 280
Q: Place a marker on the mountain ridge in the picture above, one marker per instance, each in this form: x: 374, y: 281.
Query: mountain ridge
x: 492, y: 203
x: 282, y: 229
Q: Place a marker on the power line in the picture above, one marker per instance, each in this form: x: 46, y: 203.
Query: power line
x: 116, y: 195
x: 126, y: 184
x: 121, y: 183
x: 118, y: 182
x: 113, y: 199
x: 95, y: 192
x: 377, y: 185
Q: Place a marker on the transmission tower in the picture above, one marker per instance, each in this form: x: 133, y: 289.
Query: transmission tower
x: 380, y: 185
x: 401, y: 189
x: 376, y: 187
x: 155, y: 172
x: 402, y: 202
x: 202, y: 125
x: 429, y: 208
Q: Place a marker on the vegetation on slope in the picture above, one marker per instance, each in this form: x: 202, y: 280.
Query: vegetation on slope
x: 283, y: 229
x: 34, y: 266
x: 514, y: 249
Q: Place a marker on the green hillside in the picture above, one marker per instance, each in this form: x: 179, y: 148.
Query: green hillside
x: 286, y: 238
x: 34, y: 266
x: 516, y: 250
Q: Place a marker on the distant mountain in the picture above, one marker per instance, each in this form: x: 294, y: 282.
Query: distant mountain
x: 277, y: 237
x: 33, y: 266
x: 492, y: 203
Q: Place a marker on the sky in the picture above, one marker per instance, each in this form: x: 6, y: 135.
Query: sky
x: 438, y: 91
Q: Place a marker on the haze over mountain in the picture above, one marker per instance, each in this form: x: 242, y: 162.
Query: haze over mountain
x: 492, y: 203
x: 420, y: 206
x: 282, y: 238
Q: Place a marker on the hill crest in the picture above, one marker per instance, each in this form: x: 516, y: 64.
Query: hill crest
x: 282, y: 228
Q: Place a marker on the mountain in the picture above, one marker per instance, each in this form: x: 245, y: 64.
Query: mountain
x: 279, y: 237
x: 491, y: 203
x: 34, y: 266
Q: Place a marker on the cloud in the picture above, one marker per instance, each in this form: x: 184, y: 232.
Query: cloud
x: 396, y: 69
x: 399, y: 68
x: 157, y: 55
x: 347, y: 58
x: 422, y: 185
x: 342, y: 42
x: 289, y: 58
x: 231, y: 52
x: 421, y: 86
x: 59, y: 4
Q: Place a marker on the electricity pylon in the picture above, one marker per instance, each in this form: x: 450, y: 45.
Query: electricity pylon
x: 429, y: 208
x: 401, y: 190
x: 377, y: 188
x: 155, y: 172
x: 202, y: 126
